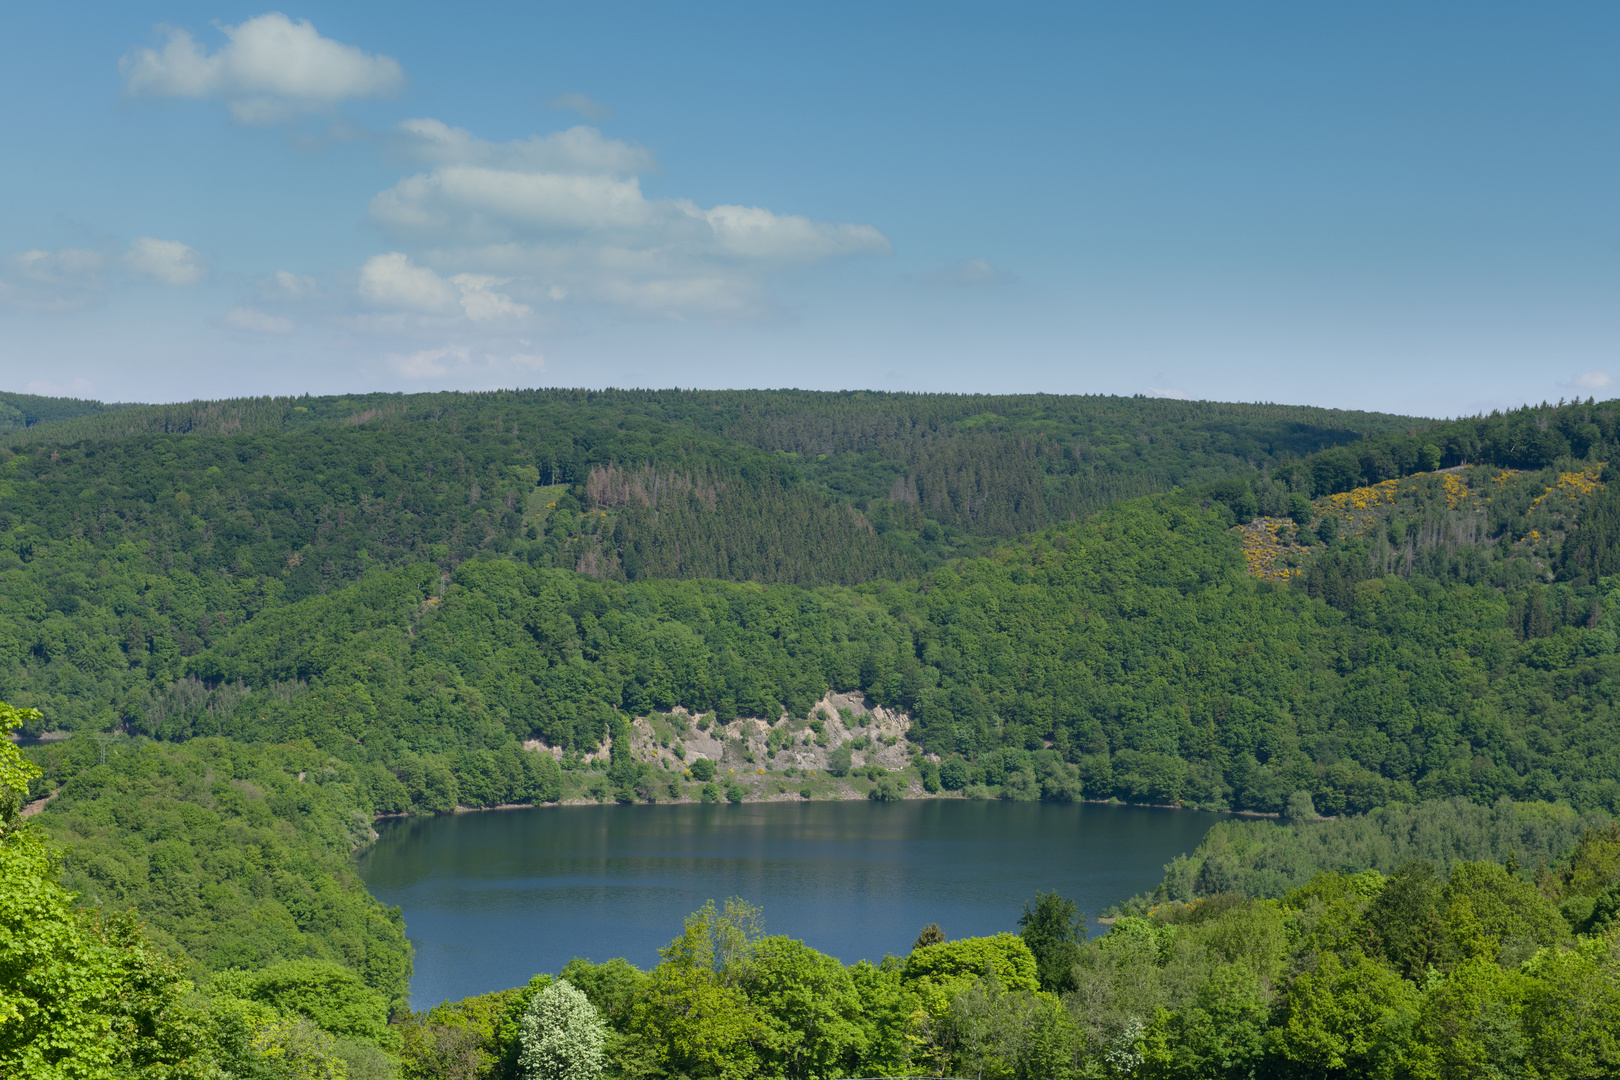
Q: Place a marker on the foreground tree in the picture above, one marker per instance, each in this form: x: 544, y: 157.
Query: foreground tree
x: 79, y: 998
x: 1054, y: 930
x: 562, y: 1036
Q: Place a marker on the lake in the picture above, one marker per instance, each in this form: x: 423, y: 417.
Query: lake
x: 492, y: 898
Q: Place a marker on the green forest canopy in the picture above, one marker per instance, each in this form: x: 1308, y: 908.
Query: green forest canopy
x: 308, y: 611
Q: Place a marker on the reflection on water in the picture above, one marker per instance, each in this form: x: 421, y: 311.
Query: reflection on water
x: 492, y: 898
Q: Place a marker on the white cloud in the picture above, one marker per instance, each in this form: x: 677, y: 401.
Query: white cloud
x: 1594, y: 380
x: 564, y: 215
x: 755, y: 233
x: 393, y: 281
x: 269, y: 69
x: 586, y: 106
x: 1167, y: 392
x: 52, y: 267
x: 258, y: 322
x: 482, y: 303
x: 966, y: 272
x: 63, y: 280
x: 579, y: 149
x: 167, y: 261
x: 469, y: 202
x: 284, y: 285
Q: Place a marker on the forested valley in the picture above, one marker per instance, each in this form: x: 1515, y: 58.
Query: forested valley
x: 235, y: 632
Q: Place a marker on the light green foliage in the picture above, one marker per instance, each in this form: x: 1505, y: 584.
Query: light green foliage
x: 1572, y: 1010
x: 693, y: 1016
x: 1221, y: 1033
x: 297, y: 1049
x: 1258, y: 858
x: 227, y: 853
x: 82, y: 998
x: 1004, y: 955
x: 812, y: 1016
x: 333, y: 997
x: 998, y: 1034
x: 1469, y: 1025
x: 561, y: 1037
x: 611, y: 986
x: 16, y: 772
x: 462, y: 1040
x: 1593, y: 868
x: 1492, y: 913
x: 1346, y: 1018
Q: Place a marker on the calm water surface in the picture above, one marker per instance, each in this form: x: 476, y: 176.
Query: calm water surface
x: 492, y: 898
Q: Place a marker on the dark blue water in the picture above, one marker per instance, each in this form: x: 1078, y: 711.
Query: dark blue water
x: 492, y: 898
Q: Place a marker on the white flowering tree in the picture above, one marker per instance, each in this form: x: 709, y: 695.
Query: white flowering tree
x: 562, y: 1036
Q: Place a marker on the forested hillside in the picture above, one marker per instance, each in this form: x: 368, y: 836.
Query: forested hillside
x: 250, y: 626
x: 767, y: 486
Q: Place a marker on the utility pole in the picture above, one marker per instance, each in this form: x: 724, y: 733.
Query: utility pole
x: 104, y: 740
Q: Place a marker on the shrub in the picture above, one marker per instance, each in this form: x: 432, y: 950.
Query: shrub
x: 887, y: 789
x: 702, y: 770
x: 930, y: 777
x: 838, y: 761
x: 331, y: 995
x: 954, y: 775
x: 736, y: 793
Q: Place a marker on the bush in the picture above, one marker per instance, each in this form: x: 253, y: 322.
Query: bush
x: 702, y: 770
x: 930, y: 777
x: 736, y: 793
x: 954, y: 775
x: 887, y: 789
x: 329, y: 994
x: 711, y: 793
x: 838, y: 761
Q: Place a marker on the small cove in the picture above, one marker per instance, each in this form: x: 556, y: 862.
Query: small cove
x: 492, y: 898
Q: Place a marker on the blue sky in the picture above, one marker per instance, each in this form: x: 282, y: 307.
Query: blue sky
x: 1408, y: 207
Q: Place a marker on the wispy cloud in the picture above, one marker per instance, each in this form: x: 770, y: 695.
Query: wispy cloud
x: 70, y: 279
x: 258, y: 322
x: 585, y: 106
x: 166, y: 261
x: 966, y: 272
x: 460, y: 361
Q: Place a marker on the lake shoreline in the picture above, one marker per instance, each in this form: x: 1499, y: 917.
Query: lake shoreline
x: 849, y: 797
